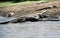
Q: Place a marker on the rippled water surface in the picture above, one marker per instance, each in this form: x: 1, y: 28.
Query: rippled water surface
x: 43, y: 29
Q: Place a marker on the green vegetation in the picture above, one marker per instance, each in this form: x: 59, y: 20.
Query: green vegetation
x: 10, y: 3
x: 3, y: 4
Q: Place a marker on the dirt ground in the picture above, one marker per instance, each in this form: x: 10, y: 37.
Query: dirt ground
x: 48, y: 8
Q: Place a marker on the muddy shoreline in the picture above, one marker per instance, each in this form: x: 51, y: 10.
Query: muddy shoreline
x: 22, y: 10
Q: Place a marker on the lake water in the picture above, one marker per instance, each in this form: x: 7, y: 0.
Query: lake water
x: 42, y: 29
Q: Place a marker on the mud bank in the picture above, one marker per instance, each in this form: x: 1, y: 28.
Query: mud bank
x: 34, y: 8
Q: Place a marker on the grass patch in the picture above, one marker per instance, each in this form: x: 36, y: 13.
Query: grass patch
x: 4, y: 4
